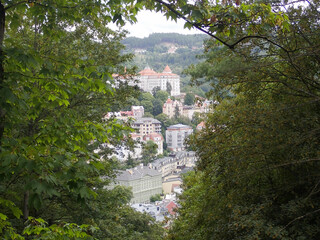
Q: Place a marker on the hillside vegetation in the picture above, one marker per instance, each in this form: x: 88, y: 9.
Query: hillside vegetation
x: 176, y: 50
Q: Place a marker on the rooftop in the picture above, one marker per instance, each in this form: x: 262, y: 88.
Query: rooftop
x: 179, y: 126
x: 136, y: 173
x: 143, y: 120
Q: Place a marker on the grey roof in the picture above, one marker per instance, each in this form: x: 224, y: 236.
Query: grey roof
x: 143, y: 120
x: 173, y: 179
x: 161, y: 161
x: 178, y: 126
x: 136, y: 173
x: 185, y: 154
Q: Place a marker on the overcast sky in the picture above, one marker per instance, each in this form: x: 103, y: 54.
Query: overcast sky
x: 152, y: 22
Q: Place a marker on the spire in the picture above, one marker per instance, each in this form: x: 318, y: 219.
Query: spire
x: 167, y: 69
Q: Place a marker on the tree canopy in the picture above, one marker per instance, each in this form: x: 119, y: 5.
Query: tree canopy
x: 258, y: 173
x: 57, y: 60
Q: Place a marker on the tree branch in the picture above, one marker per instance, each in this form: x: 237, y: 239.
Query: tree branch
x: 15, y: 4
x: 231, y: 46
x: 192, y: 23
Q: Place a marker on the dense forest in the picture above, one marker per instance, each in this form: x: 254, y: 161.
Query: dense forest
x: 257, y: 176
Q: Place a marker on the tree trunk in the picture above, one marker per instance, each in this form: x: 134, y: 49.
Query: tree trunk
x: 2, y: 30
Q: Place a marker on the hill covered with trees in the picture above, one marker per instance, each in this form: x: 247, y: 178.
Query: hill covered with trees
x: 173, y: 49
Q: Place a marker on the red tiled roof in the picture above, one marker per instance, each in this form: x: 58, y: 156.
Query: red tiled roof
x: 167, y: 69
x: 147, y: 71
x: 171, y: 206
x: 152, y: 136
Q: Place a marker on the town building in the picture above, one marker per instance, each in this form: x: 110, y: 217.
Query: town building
x: 143, y: 180
x: 146, y: 126
x: 137, y: 111
x: 171, y: 108
x: 149, y: 79
x: 157, y: 139
x: 175, y: 163
x: 176, y: 135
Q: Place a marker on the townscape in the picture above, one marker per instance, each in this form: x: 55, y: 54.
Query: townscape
x: 160, y: 176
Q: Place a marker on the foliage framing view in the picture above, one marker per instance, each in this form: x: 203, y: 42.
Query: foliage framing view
x: 56, y: 64
x: 258, y: 174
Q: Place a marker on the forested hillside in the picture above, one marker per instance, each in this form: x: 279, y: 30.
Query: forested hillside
x: 176, y: 50
x: 190, y: 41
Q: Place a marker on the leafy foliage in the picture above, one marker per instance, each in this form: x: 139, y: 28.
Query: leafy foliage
x: 258, y: 173
x: 57, y: 60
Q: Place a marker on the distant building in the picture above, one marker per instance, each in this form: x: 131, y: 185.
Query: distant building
x: 144, y: 181
x: 149, y: 79
x: 175, y: 163
x: 146, y: 126
x: 137, y: 111
x: 170, y: 107
x: 175, y: 136
x: 157, y: 139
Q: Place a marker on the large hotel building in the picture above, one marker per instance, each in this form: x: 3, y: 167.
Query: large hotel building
x: 149, y: 79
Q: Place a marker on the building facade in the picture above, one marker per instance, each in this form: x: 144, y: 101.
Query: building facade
x: 176, y: 135
x: 170, y: 107
x: 149, y: 79
x: 144, y: 182
x: 175, y: 163
x: 146, y: 126
x: 137, y: 111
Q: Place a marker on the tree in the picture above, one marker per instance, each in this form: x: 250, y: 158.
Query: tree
x: 147, y: 105
x: 149, y: 151
x: 176, y: 111
x: 130, y: 162
x: 157, y: 107
x: 155, y: 198
x: 148, y: 115
x: 55, y: 85
x: 258, y: 170
x: 189, y: 99
x: 146, y: 96
x: 162, y: 96
x: 168, y: 88
x: 155, y: 90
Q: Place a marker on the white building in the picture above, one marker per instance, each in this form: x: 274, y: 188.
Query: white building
x: 144, y: 182
x: 176, y: 135
x: 147, y: 125
x: 149, y: 79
